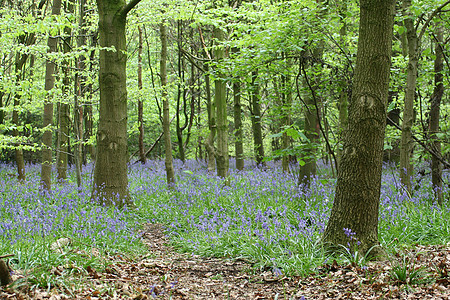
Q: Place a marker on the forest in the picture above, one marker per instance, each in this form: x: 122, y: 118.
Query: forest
x: 267, y: 149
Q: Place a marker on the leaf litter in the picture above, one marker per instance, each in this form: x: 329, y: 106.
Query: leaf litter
x: 418, y: 273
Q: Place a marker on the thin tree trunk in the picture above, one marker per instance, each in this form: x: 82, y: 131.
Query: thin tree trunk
x: 256, y: 120
x: 286, y: 116
x: 19, y: 68
x: 238, y: 132
x: 343, y: 94
x: 436, y: 165
x: 142, y: 157
x: 181, y: 93
x: 358, y: 185
x: 407, y: 142
x: 220, y: 98
x: 211, y: 108
x: 63, y: 111
x: 170, y: 173
x: 46, y: 167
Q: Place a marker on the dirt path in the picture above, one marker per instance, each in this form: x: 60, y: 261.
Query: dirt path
x: 166, y: 274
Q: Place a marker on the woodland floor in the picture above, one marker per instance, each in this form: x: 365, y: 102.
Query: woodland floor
x: 166, y: 274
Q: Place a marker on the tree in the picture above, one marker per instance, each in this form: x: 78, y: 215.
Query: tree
x: 110, y: 174
x: 407, y: 143
x: 435, y: 104
x: 142, y: 157
x: 46, y: 167
x: 358, y: 186
x: 238, y: 125
x: 166, y: 122
x: 63, y: 106
x: 256, y: 119
x: 220, y: 99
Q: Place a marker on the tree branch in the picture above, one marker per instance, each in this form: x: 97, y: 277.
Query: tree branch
x: 126, y: 9
x: 430, y: 18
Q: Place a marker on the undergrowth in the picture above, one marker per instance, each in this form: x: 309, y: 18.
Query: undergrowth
x: 259, y: 215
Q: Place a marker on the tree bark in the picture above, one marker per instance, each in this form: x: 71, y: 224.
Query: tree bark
x: 220, y: 98
x: 435, y: 104
x: 63, y: 111
x: 286, y: 116
x: 239, y: 147
x: 20, y: 61
x: 358, y: 186
x: 142, y: 157
x: 407, y: 142
x: 46, y: 167
x: 211, y: 109
x: 110, y: 174
x: 256, y: 117
x: 170, y: 174
x: 343, y: 94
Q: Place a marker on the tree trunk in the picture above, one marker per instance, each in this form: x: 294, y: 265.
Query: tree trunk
x: 343, y: 94
x: 110, y: 174
x: 142, y: 157
x: 166, y: 122
x: 211, y: 109
x: 46, y: 167
x: 19, y: 68
x: 220, y: 99
x: 407, y: 142
x: 358, y: 186
x: 239, y: 147
x: 256, y: 121
x: 286, y: 117
x: 436, y: 165
x: 63, y: 111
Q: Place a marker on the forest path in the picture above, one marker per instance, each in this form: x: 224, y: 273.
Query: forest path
x: 166, y: 274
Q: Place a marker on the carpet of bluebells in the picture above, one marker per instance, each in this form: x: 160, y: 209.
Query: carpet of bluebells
x: 258, y: 214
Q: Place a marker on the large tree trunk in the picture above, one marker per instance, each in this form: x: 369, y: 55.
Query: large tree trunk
x: 436, y: 165
x: 407, y: 142
x: 110, y: 174
x: 256, y: 120
x: 358, y: 186
x: 166, y: 122
x: 46, y: 167
x: 220, y: 99
x: 142, y: 157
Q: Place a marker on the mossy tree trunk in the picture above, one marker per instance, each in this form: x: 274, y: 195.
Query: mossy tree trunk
x: 110, y: 174
x: 358, y: 186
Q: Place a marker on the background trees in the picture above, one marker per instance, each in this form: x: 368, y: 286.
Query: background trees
x: 258, y: 80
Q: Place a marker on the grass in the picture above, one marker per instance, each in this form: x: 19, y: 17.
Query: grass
x: 260, y: 215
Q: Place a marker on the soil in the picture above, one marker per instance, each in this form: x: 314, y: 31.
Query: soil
x: 167, y: 274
